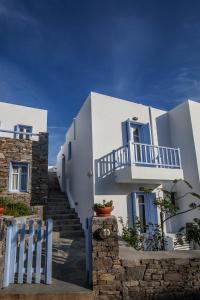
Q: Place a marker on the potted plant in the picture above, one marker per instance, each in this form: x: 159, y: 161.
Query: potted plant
x: 2, y: 206
x: 2, y: 209
x: 103, y: 209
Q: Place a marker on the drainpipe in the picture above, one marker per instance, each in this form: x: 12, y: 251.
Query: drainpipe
x: 151, y: 126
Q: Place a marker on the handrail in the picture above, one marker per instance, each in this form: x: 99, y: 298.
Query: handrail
x: 139, y: 154
x: 70, y: 198
x: 19, y: 132
x: 155, y: 146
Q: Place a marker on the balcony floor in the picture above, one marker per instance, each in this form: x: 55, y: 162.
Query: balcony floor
x: 143, y: 174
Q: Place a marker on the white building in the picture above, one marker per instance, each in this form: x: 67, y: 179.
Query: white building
x: 114, y: 147
x: 14, y: 117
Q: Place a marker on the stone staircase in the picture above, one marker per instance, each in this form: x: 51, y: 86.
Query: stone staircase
x: 66, y: 221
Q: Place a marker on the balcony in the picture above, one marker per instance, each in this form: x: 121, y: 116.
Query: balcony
x: 137, y: 162
x: 12, y: 134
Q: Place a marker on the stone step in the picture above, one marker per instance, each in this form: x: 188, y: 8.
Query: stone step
x: 68, y: 227
x: 62, y: 217
x: 58, y: 206
x: 56, y: 201
x: 66, y: 222
x: 60, y: 211
x: 68, y: 234
x: 56, y: 194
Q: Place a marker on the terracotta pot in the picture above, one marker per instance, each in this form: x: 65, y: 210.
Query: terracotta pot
x: 103, y: 212
x: 2, y: 211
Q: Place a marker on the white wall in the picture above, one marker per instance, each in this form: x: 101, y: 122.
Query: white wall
x: 100, y: 128
x: 108, y: 115
x: 11, y: 115
x: 185, y: 128
x: 79, y: 167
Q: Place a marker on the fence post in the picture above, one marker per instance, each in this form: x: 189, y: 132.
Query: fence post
x: 7, y: 256
x: 48, y: 267
x: 30, y: 252
x: 13, y: 263
x: 21, y: 251
x: 38, y: 252
x: 114, y: 163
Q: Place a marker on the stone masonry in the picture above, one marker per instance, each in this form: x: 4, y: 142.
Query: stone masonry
x: 36, y: 154
x: 154, y: 278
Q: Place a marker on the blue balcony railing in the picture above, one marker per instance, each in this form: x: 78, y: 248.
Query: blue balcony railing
x: 139, y: 154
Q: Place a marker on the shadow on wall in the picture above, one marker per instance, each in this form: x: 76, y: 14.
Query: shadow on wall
x: 163, y: 130
x: 69, y: 261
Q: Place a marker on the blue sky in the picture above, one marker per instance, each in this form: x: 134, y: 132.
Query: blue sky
x: 54, y: 52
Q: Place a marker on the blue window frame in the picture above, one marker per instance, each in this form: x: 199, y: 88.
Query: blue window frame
x: 23, y: 129
x: 19, y: 176
x: 69, y: 150
x: 138, y: 132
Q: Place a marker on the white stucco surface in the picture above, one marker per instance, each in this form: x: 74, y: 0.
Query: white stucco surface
x: 11, y: 115
x: 100, y: 128
x: 79, y: 169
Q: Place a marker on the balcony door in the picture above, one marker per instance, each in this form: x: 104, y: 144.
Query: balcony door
x: 139, y: 134
x: 143, y: 208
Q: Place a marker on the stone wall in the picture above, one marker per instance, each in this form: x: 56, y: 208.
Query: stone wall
x: 36, y: 154
x: 160, y: 276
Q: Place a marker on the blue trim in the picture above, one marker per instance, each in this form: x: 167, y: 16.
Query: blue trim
x: 130, y: 124
x: 19, y: 164
x: 150, y: 210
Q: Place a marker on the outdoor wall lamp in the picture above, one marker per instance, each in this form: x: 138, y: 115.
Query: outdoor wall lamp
x: 135, y: 118
x: 90, y: 173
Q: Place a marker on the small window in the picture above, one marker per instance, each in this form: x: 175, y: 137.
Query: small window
x: 69, y: 150
x: 19, y: 177
x: 24, y: 132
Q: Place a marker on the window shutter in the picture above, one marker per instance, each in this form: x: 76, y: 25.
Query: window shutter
x: 151, y: 210
x: 145, y: 136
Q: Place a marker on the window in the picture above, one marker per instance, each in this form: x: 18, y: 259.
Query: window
x: 19, y: 177
x: 23, y: 129
x: 69, y: 150
x: 142, y: 214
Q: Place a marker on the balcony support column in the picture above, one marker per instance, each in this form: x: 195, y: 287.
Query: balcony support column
x: 131, y: 151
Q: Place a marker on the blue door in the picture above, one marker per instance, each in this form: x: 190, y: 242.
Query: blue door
x: 143, y: 208
x: 140, y: 134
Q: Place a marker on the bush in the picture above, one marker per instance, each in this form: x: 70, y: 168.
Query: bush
x: 15, y: 209
x: 132, y: 235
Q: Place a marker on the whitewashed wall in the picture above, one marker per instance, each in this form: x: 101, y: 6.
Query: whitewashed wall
x: 185, y: 129
x: 11, y: 115
x: 100, y: 129
x: 77, y: 169
x: 108, y: 115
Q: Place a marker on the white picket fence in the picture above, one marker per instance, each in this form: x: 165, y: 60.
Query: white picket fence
x: 25, y: 257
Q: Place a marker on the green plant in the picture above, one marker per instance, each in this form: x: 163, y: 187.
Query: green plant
x: 166, y: 202
x: 103, y: 205
x: 132, y: 235
x: 15, y: 209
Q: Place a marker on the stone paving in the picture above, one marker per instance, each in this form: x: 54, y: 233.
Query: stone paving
x: 69, y: 260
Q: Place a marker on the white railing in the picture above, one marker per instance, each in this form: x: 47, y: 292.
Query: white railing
x: 18, y: 134
x: 151, y: 155
x: 140, y: 155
